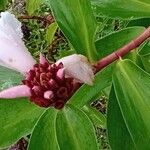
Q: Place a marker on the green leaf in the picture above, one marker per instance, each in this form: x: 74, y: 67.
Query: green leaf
x: 44, y: 133
x: 145, y: 22
x: 67, y: 129
x: 132, y: 86
x: 75, y: 19
x: 113, y: 41
x: 144, y: 53
x: 86, y: 93
x: 33, y: 5
x: 3, y: 4
x: 75, y: 130
x: 17, y: 118
x: 127, y: 9
x: 134, y: 57
x: 9, y: 78
x: 96, y: 116
x: 50, y: 32
x: 118, y: 133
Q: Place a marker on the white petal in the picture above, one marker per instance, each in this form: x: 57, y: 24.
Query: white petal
x: 13, y: 53
x: 16, y: 91
x: 10, y: 27
x: 78, y: 67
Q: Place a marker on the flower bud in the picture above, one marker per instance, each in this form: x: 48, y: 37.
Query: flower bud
x: 78, y: 67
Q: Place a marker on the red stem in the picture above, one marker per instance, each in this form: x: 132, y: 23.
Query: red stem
x: 123, y: 51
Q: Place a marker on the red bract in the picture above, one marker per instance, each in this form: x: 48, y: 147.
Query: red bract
x: 49, y: 86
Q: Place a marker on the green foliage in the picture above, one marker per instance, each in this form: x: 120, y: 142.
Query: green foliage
x: 145, y: 22
x: 3, y: 4
x: 50, y: 32
x: 117, y: 130
x: 35, y: 41
x: 131, y: 85
x: 116, y: 40
x: 67, y: 129
x: 45, y: 139
x: 75, y: 19
x: 17, y: 119
x: 97, y: 117
x: 9, y: 78
x: 122, y: 9
x: 144, y: 53
x: 33, y: 5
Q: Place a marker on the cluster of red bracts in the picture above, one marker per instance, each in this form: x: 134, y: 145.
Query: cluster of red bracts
x: 49, y: 86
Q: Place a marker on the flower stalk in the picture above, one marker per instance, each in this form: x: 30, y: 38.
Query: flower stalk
x: 123, y: 51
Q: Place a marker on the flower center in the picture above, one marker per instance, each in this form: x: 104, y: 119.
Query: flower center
x: 49, y: 86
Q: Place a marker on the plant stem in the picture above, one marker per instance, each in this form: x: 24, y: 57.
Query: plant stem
x: 31, y: 17
x: 48, y: 19
x: 123, y: 51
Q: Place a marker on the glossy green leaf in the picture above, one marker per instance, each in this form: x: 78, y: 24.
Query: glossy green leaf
x: 118, y: 133
x: 145, y: 22
x: 86, y: 93
x: 132, y: 86
x: 50, y: 32
x: 67, y: 129
x: 75, y: 130
x: 113, y: 41
x: 44, y: 133
x: 145, y: 55
x: 33, y: 5
x: 96, y: 116
x: 124, y: 9
x: 17, y: 119
x: 75, y: 19
x: 9, y: 78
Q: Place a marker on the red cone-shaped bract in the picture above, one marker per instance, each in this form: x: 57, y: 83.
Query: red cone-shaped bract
x: 48, y: 85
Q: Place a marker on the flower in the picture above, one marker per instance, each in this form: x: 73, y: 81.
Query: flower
x: 46, y: 84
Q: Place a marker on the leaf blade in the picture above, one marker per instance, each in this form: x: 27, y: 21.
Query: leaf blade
x: 75, y: 130
x: 45, y: 139
x: 17, y: 118
x: 78, y: 24
x: 118, y: 133
x: 32, y: 6
x: 133, y: 99
x: 9, y: 78
x: 50, y: 32
x: 128, y: 9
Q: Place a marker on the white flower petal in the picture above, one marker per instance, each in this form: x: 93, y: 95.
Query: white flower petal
x: 16, y: 91
x: 78, y: 67
x: 13, y: 53
x: 10, y: 27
